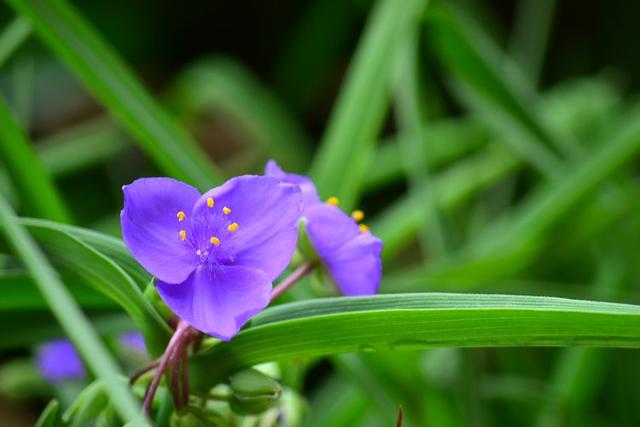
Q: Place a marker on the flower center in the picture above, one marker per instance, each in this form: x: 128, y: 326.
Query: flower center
x: 216, y: 223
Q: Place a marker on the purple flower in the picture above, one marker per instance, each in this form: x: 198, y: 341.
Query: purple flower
x: 348, y: 250
x: 58, y: 361
x: 214, y: 255
x: 133, y: 341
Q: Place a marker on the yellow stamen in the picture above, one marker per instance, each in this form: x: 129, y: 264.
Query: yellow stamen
x: 215, y: 241
x: 363, y: 228
x: 233, y: 226
x: 180, y: 216
x: 183, y: 234
x: 226, y: 210
x: 333, y: 201
x: 210, y: 202
x: 357, y: 215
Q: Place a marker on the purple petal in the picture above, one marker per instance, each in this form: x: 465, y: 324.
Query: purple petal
x: 266, y: 213
x: 151, y: 229
x: 308, y: 188
x: 352, y: 258
x: 356, y: 267
x: 218, y: 300
x: 58, y: 361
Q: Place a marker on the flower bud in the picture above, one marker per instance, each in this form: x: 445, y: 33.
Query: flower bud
x: 194, y: 417
x: 253, y: 392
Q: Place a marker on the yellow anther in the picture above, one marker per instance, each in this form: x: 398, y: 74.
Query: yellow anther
x: 210, y: 202
x: 363, y: 228
x: 180, y: 216
x: 233, y: 226
x: 183, y: 234
x: 215, y: 241
x: 357, y: 215
x: 333, y: 201
x: 226, y: 210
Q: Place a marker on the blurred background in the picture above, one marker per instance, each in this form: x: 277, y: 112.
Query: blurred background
x: 505, y: 160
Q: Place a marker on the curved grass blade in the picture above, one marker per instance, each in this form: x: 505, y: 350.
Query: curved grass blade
x: 418, y: 321
x: 34, y: 185
x: 226, y: 86
x: 49, y: 416
x: 108, y: 278
x: 104, y: 73
x: 71, y: 318
x: 107, y: 245
x: 358, y: 115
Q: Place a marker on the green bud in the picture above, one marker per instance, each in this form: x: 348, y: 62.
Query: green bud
x: 253, y: 392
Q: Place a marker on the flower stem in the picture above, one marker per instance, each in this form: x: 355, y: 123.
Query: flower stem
x: 163, y: 364
x: 292, y: 279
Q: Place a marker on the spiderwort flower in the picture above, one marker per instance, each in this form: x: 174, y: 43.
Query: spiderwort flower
x: 214, y: 255
x: 58, y: 361
x: 348, y: 250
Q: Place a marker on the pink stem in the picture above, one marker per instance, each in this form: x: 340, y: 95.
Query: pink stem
x: 142, y: 371
x: 292, y: 279
x: 162, y: 366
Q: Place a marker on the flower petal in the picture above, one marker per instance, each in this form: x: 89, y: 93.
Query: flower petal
x: 265, y: 212
x: 351, y: 257
x: 308, y: 188
x: 356, y: 267
x: 151, y: 229
x: 218, y: 301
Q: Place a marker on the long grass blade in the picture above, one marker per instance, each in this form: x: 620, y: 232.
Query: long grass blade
x: 34, y: 184
x: 71, y: 318
x: 104, y: 73
x: 358, y: 115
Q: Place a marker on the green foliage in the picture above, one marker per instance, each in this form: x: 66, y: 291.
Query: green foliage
x: 474, y: 178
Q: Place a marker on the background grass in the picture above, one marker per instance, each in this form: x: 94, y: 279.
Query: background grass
x: 493, y: 147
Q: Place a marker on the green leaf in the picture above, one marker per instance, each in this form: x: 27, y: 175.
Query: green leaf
x: 33, y: 183
x: 49, y: 416
x: 104, y: 73
x: 445, y: 142
x: 13, y: 36
x: 80, y: 146
x: 110, y: 246
x: 20, y: 293
x: 397, y: 225
x: 225, y: 86
x: 69, y: 315
x: 107, y: 277
x: 496, y: 88
x: 347, y: 146
x: 418, y: 321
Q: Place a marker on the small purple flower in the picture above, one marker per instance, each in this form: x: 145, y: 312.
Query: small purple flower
x: 133, y: 341
x: 214, y: 255
x: 349, y: 252
x: 58, y: 361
